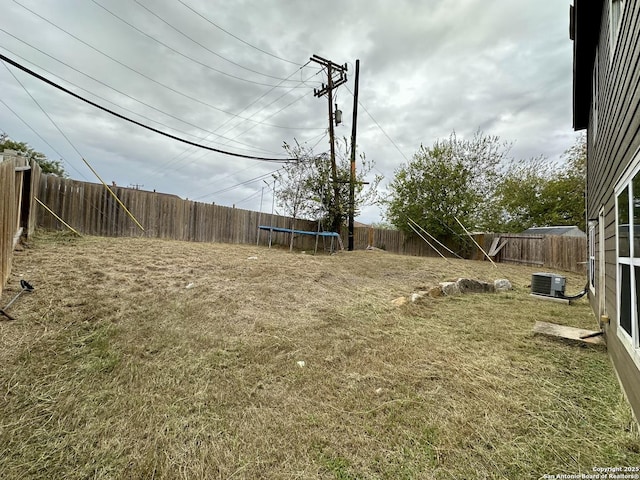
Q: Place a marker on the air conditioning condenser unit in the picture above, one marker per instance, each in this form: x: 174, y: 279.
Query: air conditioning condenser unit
x: 548, y: 284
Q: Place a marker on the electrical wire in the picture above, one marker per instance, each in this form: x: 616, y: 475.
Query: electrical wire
x: 137, y: 100
x: 235, y: 36
x: 268, y: 105
x: 39, y: 106
x: 378, y: 125
x: 322, y: 136
x: 269, y: 116
x: 253, y: 147
x: 228, y: 189
x: 41, y: 137
x: 197, y: 100
x: 250, y: 197
x: 250, y: 147
x: 99, y: 210
x: 122, y: 63
x: 135, y: 122
x: 175, y: 158
x: 190, y: 38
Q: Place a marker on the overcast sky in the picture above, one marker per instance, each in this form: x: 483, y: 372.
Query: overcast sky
x: 234, y: 75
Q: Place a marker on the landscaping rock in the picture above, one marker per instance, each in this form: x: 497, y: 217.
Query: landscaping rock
x: 416, y: 296
x: 450, y: 288
x: 435, y: 292
x: 467, y: 285
x: 502, y: 285
x: 399, y: 301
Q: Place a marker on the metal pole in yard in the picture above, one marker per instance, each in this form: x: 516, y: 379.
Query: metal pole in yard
x: 273, y: 206
x: 260, y: 215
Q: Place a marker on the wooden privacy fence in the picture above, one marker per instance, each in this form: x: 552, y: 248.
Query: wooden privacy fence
x: 90, y: 209
x: 393, y: 241
x: 545, y: 251
x: 18, y: 176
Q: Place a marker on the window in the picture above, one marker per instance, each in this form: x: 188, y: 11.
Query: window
x: 615, y: 19
x: 628, y: 263
x: 592, y: 255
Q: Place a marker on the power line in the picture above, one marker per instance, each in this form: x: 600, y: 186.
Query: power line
x: 252, y: 147
x: 269, y: 116
x: 250, y: 197
x: 125, y: 65
x: 235, y: 36
x: 38, y: 135
x: 190, y: 38
x: 379, y: 126
x: 284, y: 127
x: 197, y: 100
x: 231, y: 119
x: 181, y: 53
x: 135, y: 122
x: 227, y: 189
x: 39, y: 106
x: 268, y: 105
x: 321, y: 137
x: 59, y: 130
x: 59, y: 154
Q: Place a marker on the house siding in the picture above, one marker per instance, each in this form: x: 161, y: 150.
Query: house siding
x: 610, y: 150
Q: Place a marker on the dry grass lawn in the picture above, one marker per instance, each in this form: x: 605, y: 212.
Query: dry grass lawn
x: 114, y: 369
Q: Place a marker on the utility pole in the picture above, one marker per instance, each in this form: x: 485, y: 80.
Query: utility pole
x: 352, y: 176
x: 340, y: 78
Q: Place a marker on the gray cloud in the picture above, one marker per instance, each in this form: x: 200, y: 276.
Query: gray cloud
x: 427, y: 68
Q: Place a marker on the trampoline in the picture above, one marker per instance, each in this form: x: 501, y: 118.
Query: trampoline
x: 293, y: 231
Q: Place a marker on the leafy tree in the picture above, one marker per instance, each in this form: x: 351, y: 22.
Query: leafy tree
x: 306, y: 185
x: 455, y: 178
x: 383, y: 225
x: 53, y: 167
x: 541, y: 193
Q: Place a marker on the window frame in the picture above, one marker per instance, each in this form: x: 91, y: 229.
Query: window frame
x: 631, y: 342
x: 591, y: 264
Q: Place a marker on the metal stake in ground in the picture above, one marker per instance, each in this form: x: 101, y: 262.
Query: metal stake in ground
x: 26, y: 287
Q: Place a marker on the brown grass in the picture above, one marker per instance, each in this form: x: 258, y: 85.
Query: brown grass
x: 114, y: 369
